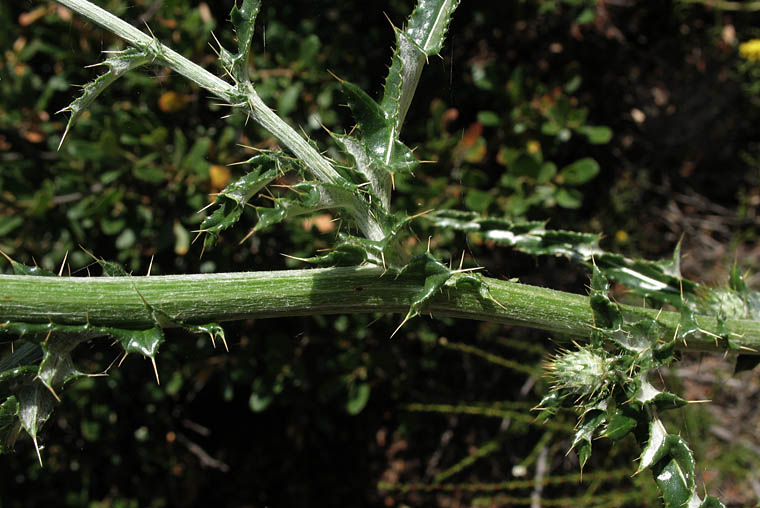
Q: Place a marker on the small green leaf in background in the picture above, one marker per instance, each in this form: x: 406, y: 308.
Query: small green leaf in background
x: 488, y: 118
x: 580, y: 171
x: 569, y: 198
x: 596, y: 134
x: 525, y: 165
x: 358, y: 396
x: 478, y: 200
x: 8, y: 223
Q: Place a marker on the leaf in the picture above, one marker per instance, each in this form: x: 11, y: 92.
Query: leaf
x: 243, y: 19
x: 676, y: 476
x: 526, y: 166
x: 22, y: 269
x: 261, y: 395
x: 378, y: 177
x: 711, y: 502
x: 10, y: 426
x: 118, y: 65
x: 307, y: 197
x: 144, y: 342
x: 478, y: 200
x: 422, y: 38
x: 358, y: 396
x: 620, y: 424
x: 428, y: 24
x: 657, y: 445
x: 569, y: 198
x: 529, y: 237
x: 35, y: 405
x: 57, y: 367
x: 259, y: 402
x: 579, y: 172
x: 584, y: 433
x: 378, y: 133
x: 434, y: 275
x: 596, y: 134
x: 232, y: 200
x: 213, y: 330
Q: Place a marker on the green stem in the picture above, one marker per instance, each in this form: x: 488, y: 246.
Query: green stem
x: 260, y: 112
x: 118, y: 301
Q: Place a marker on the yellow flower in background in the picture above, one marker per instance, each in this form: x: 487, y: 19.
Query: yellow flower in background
x: 750, y: 49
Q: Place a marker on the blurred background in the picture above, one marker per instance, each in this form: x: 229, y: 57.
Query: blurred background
x: 653, y: 102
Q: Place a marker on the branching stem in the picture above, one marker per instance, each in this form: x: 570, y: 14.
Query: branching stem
x: 260, y: 112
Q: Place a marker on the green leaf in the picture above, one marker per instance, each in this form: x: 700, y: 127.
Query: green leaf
x: 530, y: 237
x: 657, y: 445
x: 307, y: 197
x: 232, y: 200
x: 428, y: 24
x: 580, y: 171
x: 22, y: 269
x: 358, y: 396
x: 478, y: 200
x: 35, y: 405
x: 569, y: 198
x: 25, y: 354
x: 378, y: 133
x: 10, y: 426
x: 144, y: 342
x: 243, y: 19
x: 584, y: 433
x: 422, y: 38
x: 675, y: 476
x: 620, y: 424
x: 9, y: 222
x: 434, y: 275
x: 596, y: 134
x: 489, y: 118
x: 259, y: 402
x: 213, y: 330
x: 526, y: 166
x: 57, y: 367
x: 711, y: 502
x: 118, y: 65
x: 261, y: 395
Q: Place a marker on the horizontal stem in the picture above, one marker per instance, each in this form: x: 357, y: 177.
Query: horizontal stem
x: 118, y: 301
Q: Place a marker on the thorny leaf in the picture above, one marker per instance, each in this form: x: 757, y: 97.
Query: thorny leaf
x: 306, y: 198
x: 657, y: 445
x: 584, y: 433
x: 243, y: 19
x: 428, y: 24
x: 529, y: 237
x: 10, y: 426
x: 377, y: 153
x: 675, y: 474
x: 620, y: 424
x: 118, y: 64
x: 232, y: 200
x: 434, y: 275
x: 22, y: 269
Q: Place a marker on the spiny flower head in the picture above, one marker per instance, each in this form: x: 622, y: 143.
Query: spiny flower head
x: 585, y: 373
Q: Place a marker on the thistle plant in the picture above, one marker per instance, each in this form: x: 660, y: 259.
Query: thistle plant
x: 370, y: 268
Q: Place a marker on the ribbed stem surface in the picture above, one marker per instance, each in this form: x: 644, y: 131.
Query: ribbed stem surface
x: 116, y: 301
